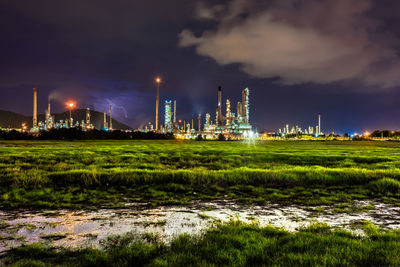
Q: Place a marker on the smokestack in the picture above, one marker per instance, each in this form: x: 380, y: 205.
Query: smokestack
x: 105, y: 120
x: 219, y: 96
x: 174, y: 111
x: 199, y: 122
x: 111, y: 118
x: 47, y: 117
x: 319, y: 124
x: 219, y: 109
x: 245, y: 105
x: 34, y: 108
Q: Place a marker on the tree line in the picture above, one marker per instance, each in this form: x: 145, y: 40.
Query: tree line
x: 79, y: 134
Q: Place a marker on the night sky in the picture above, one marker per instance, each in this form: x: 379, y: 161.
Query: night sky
x: 339, y: 58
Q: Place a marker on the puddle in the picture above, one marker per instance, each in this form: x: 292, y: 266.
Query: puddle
x: 88, y: 228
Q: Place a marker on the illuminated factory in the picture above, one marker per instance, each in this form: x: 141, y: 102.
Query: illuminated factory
x: 294, y: 130
x: 230, y: 124
x: 51, y: 123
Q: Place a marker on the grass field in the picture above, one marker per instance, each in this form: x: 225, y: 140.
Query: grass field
x: 232, y: 244
x: 56, y: 174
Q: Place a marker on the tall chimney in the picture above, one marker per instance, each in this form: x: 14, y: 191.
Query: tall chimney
x: 199, y: 121
x: 111, y: 118
x: 47, y: 116
x: 245, y: 105
x: 219, y: 96
x: 105, y: 120
x: 174, y: 111
x: 34, y: 108
x: 219, y: 110
x: 319, y: 124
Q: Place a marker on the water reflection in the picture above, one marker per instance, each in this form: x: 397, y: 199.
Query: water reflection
x: 87, y: 228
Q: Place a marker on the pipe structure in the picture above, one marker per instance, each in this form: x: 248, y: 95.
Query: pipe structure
x: 199, y: 122
x: 239, y: 109
x: 111, y: 117
x: 219, y: 109
x: 245, y: 105
x: 228, y: 112
x: 105, y: 120
x: 174, y: 111
x: 319, y: 124
x: 48, y: 117
x: 34, y: 108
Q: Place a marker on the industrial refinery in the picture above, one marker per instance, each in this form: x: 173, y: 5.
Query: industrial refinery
x: 296, y: 130
x: 51, y: 123
x: 229, y: 122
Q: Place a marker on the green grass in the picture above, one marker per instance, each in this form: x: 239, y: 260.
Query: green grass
x: 232, y: 244
x: 57, y: 174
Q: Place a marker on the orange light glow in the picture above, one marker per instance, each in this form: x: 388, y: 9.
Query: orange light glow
x: 158, y: 80
x: 71, y: 105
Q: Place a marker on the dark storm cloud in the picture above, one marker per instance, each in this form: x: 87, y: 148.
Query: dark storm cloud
x: 301, y: 41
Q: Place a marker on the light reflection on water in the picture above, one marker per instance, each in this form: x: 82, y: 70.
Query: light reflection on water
x: 87, y: 228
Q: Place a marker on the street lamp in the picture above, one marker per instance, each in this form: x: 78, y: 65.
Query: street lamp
x: 158, y: 81
x: 70, y: 106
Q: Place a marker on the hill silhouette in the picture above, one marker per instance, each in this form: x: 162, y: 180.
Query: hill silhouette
x: 10, y: 119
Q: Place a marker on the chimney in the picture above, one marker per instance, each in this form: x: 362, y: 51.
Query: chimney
x: 174, y: 111
x: 105, y: 120
x: 34, y: 108
x: 199, y: 122
x: 111, y: 118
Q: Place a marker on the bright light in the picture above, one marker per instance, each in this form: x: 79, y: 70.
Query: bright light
x: 158, y: 80
x: 71, y: 105
x: 366, y: 133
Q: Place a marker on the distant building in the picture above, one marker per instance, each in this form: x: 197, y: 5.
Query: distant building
x: 168, y: 116
x: 231, y: 125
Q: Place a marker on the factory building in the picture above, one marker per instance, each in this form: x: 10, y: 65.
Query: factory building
x: 50, y: 122
x: 295, y: 130
x: 168, y: 124
x: 230, y: 124
x: 49, y: 119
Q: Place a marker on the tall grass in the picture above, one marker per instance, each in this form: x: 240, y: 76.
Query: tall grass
x: 105, y: 164
x: 284, y: 177
x: 232, y: 244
